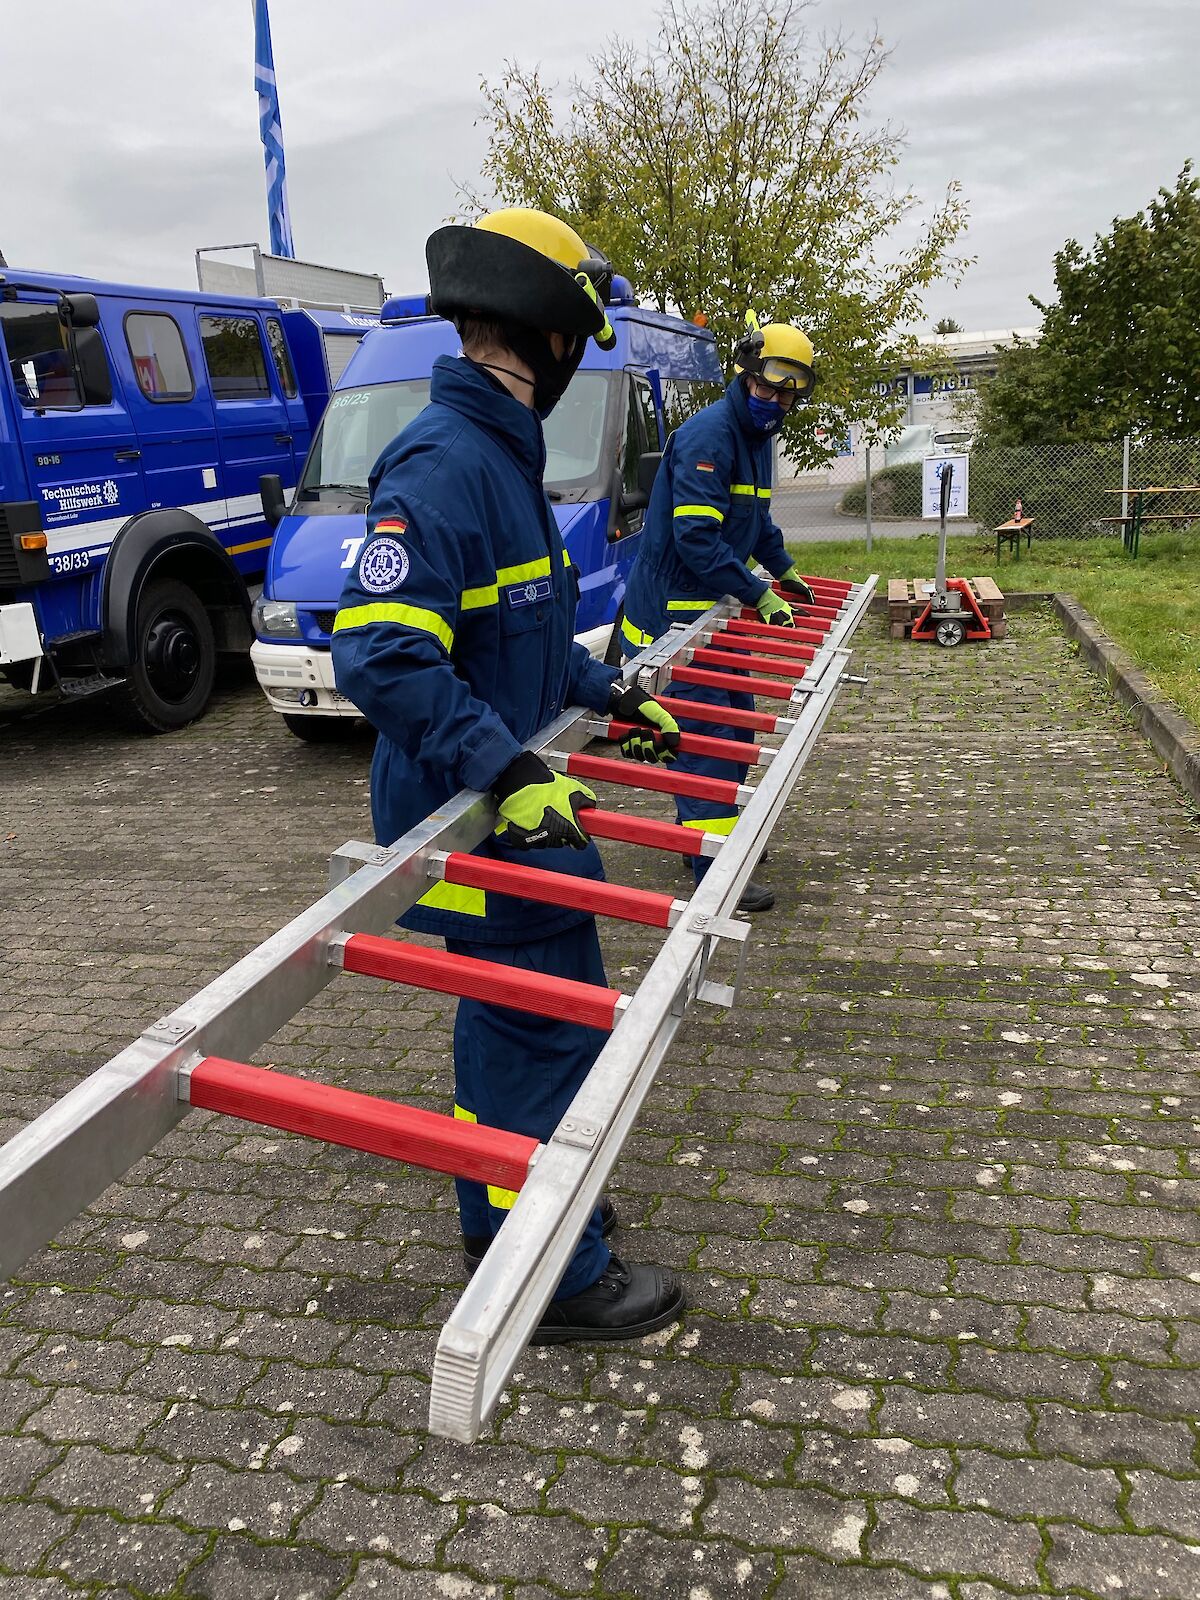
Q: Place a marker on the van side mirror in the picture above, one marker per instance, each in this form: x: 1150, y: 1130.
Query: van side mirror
x: 648, y: 465
x: 80, y: 310
x: 270, y: 490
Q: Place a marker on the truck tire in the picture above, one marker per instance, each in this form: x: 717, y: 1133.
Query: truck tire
x: 323, y: 730
x: 175, y: 659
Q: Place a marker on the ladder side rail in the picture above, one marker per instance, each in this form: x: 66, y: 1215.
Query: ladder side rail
x: 489, y: 1328
x: 64, y: 1160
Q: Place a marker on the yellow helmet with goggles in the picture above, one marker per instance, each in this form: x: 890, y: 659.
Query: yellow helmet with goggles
x: 776, y: 354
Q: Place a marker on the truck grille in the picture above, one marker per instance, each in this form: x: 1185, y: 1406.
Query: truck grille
x: 324, y: 620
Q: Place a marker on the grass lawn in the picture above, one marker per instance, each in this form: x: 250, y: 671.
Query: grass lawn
x: 1150, y: 606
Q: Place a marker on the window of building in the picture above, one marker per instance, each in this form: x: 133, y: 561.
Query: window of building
x: 233, y: 353
x: 39, y: 359
x: 281, y: 357
x: 159, y: 358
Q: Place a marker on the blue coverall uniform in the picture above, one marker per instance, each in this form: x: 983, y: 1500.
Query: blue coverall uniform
x: 709, y: 513
x: 455, y: 638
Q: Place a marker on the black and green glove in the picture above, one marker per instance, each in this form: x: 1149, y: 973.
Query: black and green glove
x: 539, y: 809
x: 628, y: 703
x: 773, y: 608
x: 793, y: 583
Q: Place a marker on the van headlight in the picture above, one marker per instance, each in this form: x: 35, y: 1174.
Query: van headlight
x: 275, y: 619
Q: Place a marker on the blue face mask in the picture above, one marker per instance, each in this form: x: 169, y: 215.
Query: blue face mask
x: 766, y: 415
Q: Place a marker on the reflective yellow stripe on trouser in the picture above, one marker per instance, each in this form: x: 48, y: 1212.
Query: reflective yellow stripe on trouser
x: 389, y: 611
x: 713, y: 824
x: 502, y: 1199
x: 635, y: 635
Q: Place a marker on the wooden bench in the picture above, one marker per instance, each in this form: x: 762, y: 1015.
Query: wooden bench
x: 1012, y: 531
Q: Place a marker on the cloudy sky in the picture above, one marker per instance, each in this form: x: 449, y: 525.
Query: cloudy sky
x: 129, y: 134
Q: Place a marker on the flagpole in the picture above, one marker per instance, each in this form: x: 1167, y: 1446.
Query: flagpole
x: 271, y: 132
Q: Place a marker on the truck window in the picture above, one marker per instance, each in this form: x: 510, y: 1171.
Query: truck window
x: 281, y: 358
x: 233, y: 353
x: 641, y: 430
x: 683, y: 397
x: 159, y: 358
x: 359, y: 424
x: 39, y: 359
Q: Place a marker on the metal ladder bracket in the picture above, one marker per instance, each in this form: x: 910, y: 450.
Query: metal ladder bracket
x: 169, y: 1031
x: 714, y: 929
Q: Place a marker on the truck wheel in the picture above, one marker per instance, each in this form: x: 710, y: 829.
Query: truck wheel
x: 322, y: 730
x: 175, y: 659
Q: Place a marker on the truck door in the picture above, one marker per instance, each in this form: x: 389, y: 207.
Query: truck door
x: 173, y: 414
x: 80, y: 450
x: 254, y: 427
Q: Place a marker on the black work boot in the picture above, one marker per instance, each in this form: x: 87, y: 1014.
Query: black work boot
x: 625, y: 1302
x: 756, y: 897
x: 475, y: 1244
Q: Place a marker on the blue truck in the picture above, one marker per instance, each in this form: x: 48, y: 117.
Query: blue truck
x: 135, y: 426
x: 603, y: 441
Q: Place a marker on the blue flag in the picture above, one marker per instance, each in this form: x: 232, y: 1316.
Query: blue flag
x: 272, y: 133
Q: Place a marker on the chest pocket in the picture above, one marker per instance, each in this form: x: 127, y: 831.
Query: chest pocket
x: 526, y: 605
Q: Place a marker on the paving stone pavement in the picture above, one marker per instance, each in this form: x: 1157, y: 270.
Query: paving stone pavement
x: 932, y: 1186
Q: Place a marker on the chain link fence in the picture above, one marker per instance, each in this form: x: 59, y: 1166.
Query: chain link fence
x: 1071, y: 490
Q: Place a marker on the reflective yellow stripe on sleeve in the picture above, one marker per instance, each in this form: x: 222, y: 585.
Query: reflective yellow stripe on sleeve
x: 635, y: 635
x: 700, y: 511
x: 713, y: 824
x: 455, y: 897
x: 689, y: 605
x: 389, y: 611
x: 751, y: 489
x: 488, y: 594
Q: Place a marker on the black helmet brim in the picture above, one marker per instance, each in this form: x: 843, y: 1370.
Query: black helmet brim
x: 472, y: 270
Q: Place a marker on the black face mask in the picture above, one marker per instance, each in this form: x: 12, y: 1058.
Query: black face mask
x: 550, y: 375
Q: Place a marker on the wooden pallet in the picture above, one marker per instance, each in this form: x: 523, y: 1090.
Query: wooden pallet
x: 907, y: 599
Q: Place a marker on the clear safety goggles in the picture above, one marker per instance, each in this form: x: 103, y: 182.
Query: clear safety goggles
x: 789, y: 377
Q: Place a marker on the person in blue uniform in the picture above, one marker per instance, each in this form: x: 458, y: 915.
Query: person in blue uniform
x: 709, y: 515
x: 455, y: 638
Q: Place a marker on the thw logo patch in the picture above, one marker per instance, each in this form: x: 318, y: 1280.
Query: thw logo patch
x: 529, y: 594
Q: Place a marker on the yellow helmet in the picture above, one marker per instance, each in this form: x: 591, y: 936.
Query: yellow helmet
x: 778, y: 354
x: 520, y: 266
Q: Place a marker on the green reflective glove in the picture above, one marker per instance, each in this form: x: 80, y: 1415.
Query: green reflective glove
x: 628, y: 703
x: 539, y: 809
x: 795, y: 584
x: 773, y: 608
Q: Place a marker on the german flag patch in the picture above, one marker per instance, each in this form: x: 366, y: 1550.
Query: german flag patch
x: 391, y: 525
x: 704, y: 466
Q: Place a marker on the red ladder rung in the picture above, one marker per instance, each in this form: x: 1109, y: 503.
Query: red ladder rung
x: 490, y: 981
x: 815, y: 615
x: 637, y: 775
x: 837, y: 586
x: 560, y: 889
x: 624, y: 829
x: 727, y: 716
x: 363, y: 1122
x: 700, y: 744
x: 769, y: 647
x: 729, y: 661
x: 769, y: 688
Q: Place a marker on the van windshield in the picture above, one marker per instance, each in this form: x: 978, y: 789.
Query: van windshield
x: 359, y: 424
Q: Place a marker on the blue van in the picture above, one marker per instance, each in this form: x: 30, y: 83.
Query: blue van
x: 602, y: 444
x: 135, y: 425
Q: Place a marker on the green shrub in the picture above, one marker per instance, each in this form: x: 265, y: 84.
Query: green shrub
x: 895, y: 492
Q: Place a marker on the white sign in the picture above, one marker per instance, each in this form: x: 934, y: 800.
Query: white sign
x: 932, y: 468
